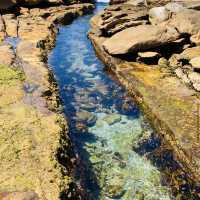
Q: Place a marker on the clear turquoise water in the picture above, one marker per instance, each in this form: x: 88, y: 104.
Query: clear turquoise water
x: 105, y: 124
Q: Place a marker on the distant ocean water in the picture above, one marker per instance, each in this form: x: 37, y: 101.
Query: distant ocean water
x: 104, y: 1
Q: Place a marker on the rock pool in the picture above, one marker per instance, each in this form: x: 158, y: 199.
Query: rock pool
x: 105, y: 124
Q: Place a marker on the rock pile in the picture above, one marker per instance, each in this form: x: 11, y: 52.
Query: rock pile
x: 162, y: 35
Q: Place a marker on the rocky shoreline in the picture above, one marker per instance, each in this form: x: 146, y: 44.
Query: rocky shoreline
x: 36, y: 153
x: 153, y: 67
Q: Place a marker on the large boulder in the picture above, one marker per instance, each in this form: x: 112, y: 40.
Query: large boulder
x: 158, y: 15
x: 140, y: 38
x: 187, y: 21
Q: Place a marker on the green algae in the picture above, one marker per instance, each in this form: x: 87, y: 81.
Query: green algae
x: 10, y: 75
x: 29, y: 142
x: 122, y: 174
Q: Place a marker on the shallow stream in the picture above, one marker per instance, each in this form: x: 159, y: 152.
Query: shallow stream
x: 105, y: 124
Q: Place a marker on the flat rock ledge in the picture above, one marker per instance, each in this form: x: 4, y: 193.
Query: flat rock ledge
x: 36, y: 156
x: 163, y: 90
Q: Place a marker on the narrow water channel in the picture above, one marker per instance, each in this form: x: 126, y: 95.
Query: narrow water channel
x: 105, y: 125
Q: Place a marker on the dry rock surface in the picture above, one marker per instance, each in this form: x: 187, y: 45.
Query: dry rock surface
x: 153, y: 49
x: 33, y: 134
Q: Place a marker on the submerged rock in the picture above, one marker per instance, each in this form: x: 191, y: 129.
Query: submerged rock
x: 190, y: 53
x: 122, y: 173
x: 112, y: 118
x: 86, y: 117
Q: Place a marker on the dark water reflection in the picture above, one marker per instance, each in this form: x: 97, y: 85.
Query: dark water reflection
x: 104, y: 123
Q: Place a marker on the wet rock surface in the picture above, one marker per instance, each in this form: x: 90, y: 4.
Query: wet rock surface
x: 166, y: 88
x: 35, y: 147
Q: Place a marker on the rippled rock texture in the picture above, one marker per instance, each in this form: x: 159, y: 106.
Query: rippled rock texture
x: 15, y: 4
x: 166, y: 86
x: 35, y: 148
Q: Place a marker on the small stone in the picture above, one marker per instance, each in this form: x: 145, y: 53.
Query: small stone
x: 7, y: 55
x: 86, y: 117
x: 148, y: 54
x: 80, y: 127
x: 174, y: 61
x: 195, y: 62
x: 115, y: 191
x: 112, y: 118
x: 163, y: 62
x: 158, y: 15
x: 179, y: 72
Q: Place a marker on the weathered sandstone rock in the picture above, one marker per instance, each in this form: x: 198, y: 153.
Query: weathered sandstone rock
x: 2, y: 29
x: 180, y: 73
x: 195, y: 39
x: 113, y: 20
x: 187, y: 21
x: 7, y: 55
x: 18, y: 196
x: 195, y: 62
x: 140, y: 38
x: 11, y: 24
x: 195, y: 79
